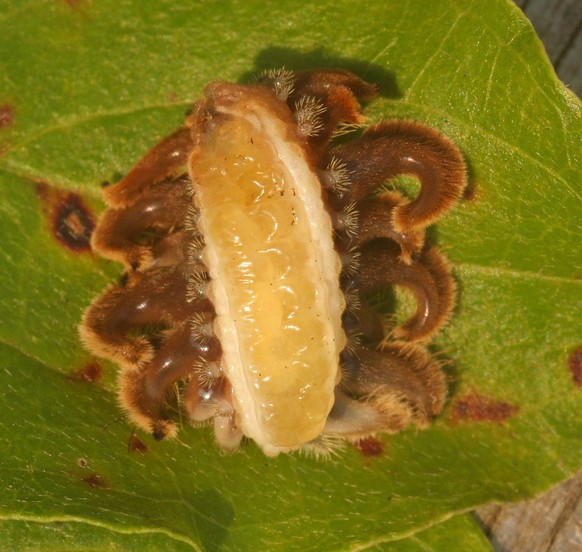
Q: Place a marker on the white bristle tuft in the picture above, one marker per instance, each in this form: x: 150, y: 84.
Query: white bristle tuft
x: 307, y: 116
x: 191, y: 220
x: 351, y: 261
x: 190, y: 193
x: 282, y: 80
x: 346, y: 128
x: 197, y: 285
x: 336, y: 177
x: 350, y: 366
x: 347, y: 219
x: 195, y: 249
x: 353, y: 301
x: 206, y: 373
x: 201, y: 326
x: 353, y: 342
x: 324, y: 447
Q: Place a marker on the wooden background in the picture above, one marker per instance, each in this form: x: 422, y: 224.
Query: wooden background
x: 553, y: 522
x: 559, y: 25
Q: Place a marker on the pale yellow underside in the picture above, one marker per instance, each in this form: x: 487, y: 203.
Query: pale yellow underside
x: 274, y: 275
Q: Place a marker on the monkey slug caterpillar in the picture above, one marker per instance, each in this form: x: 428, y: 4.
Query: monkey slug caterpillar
x: 252, y: 241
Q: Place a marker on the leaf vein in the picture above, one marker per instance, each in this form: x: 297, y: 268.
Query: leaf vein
x: 508, y: 272
x: 88, y: 521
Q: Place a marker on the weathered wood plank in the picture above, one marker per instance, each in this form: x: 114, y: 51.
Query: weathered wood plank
x: 559, y: 25
x: 552, y: 523
x: 569, y: 65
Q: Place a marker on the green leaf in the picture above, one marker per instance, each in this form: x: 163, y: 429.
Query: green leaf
x: 87, y: 87
x: 458, y: 534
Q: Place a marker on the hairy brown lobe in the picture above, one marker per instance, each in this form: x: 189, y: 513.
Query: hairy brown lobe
x: 145, y: 233
x: 429, y: 279
x: 113, y: 319
x: 339, y: 91
x: 376, y: 222
x: 393, y: 148
x: 402, y: 381
x: 167, y: 159
x: 128, y: 234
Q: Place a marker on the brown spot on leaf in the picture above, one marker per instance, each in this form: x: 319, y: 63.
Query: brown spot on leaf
x: 73, y: 223
x: 370, y: 446
x: 470, y: 192
x: 95, y: 480
x: 71, y: 220
x: 90, y: 373
x: 474, y: 407
x: 135, y: 444
x: 575, y: 366
x: 6, y: 115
